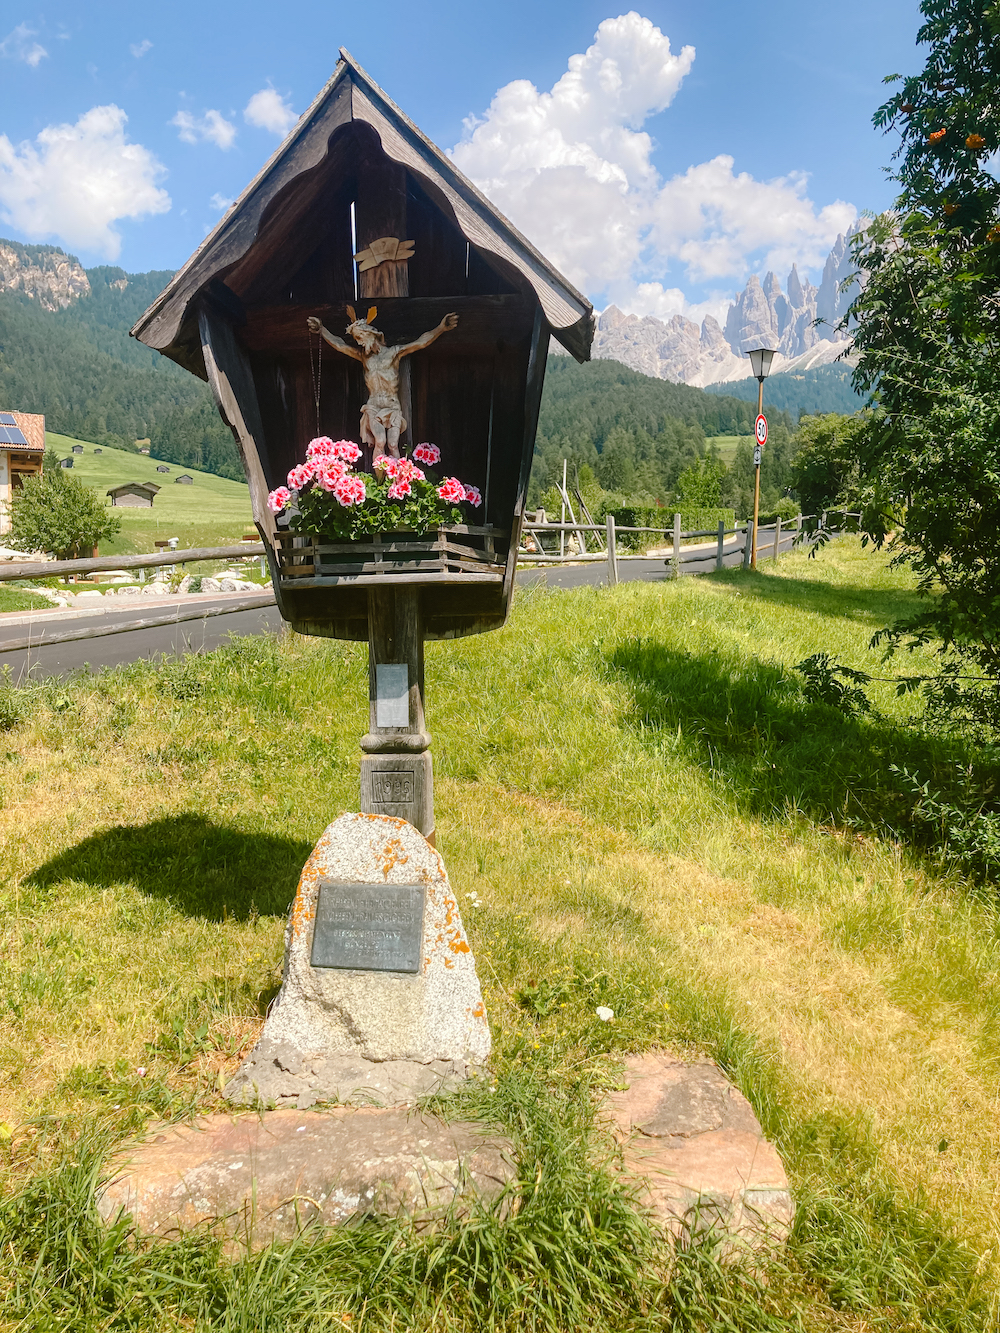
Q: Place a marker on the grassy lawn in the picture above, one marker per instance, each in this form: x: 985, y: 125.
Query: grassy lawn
x: 212, y: 511
x: 13, y: 598
x: 726, y: 445
x: 656, y: 819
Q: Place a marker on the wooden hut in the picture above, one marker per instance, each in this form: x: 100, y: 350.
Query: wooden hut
x: 185, y: 479
x: 235, y: 314
x: 134, y: 495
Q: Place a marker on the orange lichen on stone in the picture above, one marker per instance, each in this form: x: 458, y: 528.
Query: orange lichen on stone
x: 394, y: 855
x: 479, y: 1011
x: 458, y: 945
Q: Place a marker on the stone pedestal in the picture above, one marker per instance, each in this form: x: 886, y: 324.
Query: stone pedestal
x: 407, y: 1018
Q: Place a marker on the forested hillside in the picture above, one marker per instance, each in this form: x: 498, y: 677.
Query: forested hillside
x: 814, y: 392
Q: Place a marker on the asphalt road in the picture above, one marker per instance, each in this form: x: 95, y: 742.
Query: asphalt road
x: 62, y: 659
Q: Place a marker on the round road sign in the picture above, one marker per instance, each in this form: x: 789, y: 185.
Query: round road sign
x: 760, y: 429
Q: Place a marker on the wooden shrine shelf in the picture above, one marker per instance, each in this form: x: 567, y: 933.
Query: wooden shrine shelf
x: 454, y: 554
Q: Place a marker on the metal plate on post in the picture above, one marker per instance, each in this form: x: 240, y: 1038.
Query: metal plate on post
x: 368, y: 927
x: 392, y: 695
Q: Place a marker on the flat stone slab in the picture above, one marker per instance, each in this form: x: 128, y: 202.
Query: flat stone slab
x: 340, y: 1033
x: 693, y: 1141
x: 258, y: 1178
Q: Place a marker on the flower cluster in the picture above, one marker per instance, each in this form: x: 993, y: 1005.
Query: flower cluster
x: 326, y: 496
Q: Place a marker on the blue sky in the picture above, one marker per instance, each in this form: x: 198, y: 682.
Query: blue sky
x: 786, y: 91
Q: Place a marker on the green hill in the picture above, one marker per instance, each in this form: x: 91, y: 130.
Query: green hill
x: 212, y: 511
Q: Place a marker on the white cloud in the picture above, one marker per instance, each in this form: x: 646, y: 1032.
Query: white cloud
x: 573, y: 169
x: 221, y: 201
x: 19, y: 45
x: 268, y: 110
x: 139, y: 49
x: 75, y: 181
x: 212, y: 127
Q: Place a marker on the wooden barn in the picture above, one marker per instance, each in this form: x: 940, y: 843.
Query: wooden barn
x: 185, y: 479
x: 358, y: 208
x: 134, y: 495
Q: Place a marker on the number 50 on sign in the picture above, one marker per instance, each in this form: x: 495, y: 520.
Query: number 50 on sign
x: 760, y: 429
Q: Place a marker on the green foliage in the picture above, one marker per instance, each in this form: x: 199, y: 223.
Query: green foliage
x: 700, y: 485
x: 929, y: 340
x: 56, y: 512
x: 776, y: 476
x: 825, y: 466
x: 800, y: 393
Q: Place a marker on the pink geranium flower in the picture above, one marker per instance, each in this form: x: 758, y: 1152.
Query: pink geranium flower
x: 401, y: 468
x: 329, y: 472
x: 321, y: 447
x: 399, y: 489
x: 474, y: 496
x: 277, y: 500
x: 452, y: 490
x: 427, y: 453
x: 346, y: 450
x: 299, y: 476
x: 349, y: 490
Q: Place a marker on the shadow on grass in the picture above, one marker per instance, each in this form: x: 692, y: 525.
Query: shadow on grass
x: 878, y: 606
x: 749, y: 724
x: 202, y: 869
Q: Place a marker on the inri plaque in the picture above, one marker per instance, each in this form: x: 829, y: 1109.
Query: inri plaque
x: 368, y: 927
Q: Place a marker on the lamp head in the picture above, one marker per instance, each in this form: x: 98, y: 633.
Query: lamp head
x: 760, y: 362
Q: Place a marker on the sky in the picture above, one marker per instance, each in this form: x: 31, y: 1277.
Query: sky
x: 657, y: 156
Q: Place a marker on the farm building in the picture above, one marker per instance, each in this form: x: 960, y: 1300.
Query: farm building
x: 162, y: 468
x: 22, y: 443
x: 185, y: 479
x: 77, y: 449
x: 134, y: 494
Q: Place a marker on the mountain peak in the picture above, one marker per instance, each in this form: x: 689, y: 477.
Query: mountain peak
x: 44, y: 273
x: 760, y: 316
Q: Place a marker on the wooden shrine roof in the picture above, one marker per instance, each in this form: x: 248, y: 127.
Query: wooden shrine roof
x: 351, y: 95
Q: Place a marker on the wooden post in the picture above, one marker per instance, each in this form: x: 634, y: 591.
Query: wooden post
x: 722, y: 542
x: 612, y: 553
x: 777, y: 536
x: 396, y: 772
x: 758, y: 453
x: 798, y: 526
x: 677, y: 546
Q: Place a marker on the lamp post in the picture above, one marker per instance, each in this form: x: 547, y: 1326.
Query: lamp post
x: 760, y: 365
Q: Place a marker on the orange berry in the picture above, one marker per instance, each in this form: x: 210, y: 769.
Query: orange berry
x: 975, y: 142
x: 937, y: 136
x: 993, y: 234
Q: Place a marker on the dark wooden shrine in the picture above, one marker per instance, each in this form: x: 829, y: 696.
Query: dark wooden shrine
x: 235, y: 315
x: 355, y: 171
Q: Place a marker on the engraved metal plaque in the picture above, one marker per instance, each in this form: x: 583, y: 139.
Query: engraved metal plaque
x: 368, y: 927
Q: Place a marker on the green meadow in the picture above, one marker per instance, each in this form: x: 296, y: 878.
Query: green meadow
x: 655, y: 817
x: 212, y: 511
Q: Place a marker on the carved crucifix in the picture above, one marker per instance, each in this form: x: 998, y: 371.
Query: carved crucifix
x: 382, y: 419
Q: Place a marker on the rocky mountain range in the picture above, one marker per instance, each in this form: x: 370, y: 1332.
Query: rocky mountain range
x: 761, y: 316
x: 42, y: 272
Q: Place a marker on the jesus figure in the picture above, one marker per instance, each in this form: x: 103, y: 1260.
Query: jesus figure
x: 382, y: 419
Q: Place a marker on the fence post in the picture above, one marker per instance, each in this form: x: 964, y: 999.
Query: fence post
x: 746, y: 544
x: 722, y: 542
x: 677, y: 546
x: 612, y: 553
x: 777, y: 536
x: 798, y: 526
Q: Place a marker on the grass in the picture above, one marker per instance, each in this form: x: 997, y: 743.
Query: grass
x: 654, y: 818
x: 212, y: 511
x: 727, y: 445
x: 13, y: 598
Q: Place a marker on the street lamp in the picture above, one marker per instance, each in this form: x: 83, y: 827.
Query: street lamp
x: 760, y: 365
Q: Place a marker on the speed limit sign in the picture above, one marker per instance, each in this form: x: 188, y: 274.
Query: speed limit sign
x: 760, y: 429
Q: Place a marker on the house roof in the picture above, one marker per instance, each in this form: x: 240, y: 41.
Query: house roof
x: 133, y: 486
x: 352, y: 95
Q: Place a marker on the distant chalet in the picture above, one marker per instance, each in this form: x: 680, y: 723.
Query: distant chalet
x: 185, y: 479
x: 134, y: 494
